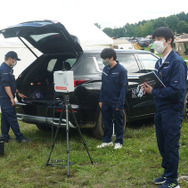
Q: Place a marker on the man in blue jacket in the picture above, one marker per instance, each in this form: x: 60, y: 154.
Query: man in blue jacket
x: 7, y: 101
x: 169, y: 101
x: 112, y: 98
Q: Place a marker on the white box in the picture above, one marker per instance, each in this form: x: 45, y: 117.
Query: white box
x: 63, y: 81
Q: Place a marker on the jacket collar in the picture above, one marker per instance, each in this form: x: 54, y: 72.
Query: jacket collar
x: 168, y: 58
x: 114, y: 65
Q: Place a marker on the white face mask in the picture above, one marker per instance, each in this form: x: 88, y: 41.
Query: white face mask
x: 159, y: 46
x: 14, y: 64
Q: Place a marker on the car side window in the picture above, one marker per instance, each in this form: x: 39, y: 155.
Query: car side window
x: 148, y: 61
x: 51, y: 65
x: 86, y: 66
x: 129, y: 62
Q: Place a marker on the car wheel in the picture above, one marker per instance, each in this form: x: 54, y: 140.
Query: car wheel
x: 186, y: 107
x: 98, y: 129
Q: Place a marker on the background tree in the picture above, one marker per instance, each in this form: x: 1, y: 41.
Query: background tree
x: 178, y: 23
x: 109, y: 31
x: 98, y: 25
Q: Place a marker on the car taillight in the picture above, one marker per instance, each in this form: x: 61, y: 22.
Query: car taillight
x: 74, y: 108
x: 60, y: 110
x: 77, y: 82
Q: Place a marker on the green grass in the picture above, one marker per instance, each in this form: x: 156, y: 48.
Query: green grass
x: 135, y: 165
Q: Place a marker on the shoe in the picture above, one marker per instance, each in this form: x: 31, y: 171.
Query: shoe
x: 159, y: 181
x: 8, y: 140
x: 105, y: 144
x: 118, y: 146
x: 170, y: 185
x: 25, y: 140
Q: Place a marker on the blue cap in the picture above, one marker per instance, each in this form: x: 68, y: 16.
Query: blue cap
x: 12, y: 55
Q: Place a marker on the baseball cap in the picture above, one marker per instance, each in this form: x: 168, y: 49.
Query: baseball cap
x: 13, y: 55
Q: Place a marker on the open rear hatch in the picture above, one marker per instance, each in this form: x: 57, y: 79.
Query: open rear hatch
x: 47, y: 36
x: 53, y: 40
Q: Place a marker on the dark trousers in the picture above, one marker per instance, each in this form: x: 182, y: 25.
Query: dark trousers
x: 110, y: 116
x: 168, y: 125
x: 9, y: 120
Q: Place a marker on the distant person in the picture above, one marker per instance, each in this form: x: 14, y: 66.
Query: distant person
x: 7, y: 101
x: 112, y: 98
x: 169, y: 102
x: 151, y: 47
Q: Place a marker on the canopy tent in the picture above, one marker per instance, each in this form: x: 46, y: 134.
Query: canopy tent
x: 122, y: 44
x: 14, y: 44
x: 90, y: 36
x: 181, y: 45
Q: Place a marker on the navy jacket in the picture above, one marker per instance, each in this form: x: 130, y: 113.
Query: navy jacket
x: 114, y: 85
x: 6, y: 79
x: 173, y: 73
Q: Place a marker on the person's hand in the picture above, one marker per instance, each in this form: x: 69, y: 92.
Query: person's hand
x: 22, y: 96
x: 147, y: 88
x: 13, y: 102
x: 142, y: 87
x: 100, y: 104
x: 117, y: 109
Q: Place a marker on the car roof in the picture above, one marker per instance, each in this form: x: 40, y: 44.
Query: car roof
x: 119, y: 51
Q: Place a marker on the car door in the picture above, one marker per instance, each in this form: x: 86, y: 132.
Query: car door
x: 143, y: 105
x: 138, y: 105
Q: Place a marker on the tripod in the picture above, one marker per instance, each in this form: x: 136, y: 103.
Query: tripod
x: 66, y: 107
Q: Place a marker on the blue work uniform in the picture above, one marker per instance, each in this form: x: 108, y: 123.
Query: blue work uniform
x: 8, y: 112
x: 169, y: 103
x: 112, y: 95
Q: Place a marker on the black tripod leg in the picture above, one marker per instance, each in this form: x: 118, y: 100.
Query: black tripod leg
x: 67, y: 131
x: 54, y: 139
x: 78, y: 127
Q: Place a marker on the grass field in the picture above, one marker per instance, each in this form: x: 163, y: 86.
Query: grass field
x: 135, y: 165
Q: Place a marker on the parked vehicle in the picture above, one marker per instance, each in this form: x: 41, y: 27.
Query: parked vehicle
x: 144, y: 42
x: 61, y: 51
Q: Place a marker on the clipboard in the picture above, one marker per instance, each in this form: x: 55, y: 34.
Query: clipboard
x: 152, y: 79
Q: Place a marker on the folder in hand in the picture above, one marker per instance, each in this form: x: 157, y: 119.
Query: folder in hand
x: 152, y: 79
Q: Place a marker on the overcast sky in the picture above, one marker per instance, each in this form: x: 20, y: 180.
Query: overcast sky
x: 108, y: 13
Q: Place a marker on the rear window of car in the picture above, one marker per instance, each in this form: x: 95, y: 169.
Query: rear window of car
x: 58, y: 64
x: 127, y: 60
x: 38, y: 37
x: 148, y: 61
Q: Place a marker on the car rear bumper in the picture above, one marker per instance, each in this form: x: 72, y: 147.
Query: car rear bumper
x: 42, y: 120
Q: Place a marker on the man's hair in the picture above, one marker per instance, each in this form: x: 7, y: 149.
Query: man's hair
x: 6, y: 58
x: 108, y: 53
x: 164, y: 32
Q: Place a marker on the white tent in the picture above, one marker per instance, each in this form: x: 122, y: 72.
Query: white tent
x: 89, y: 35
x: 122, y: 44
x: 14, y: 44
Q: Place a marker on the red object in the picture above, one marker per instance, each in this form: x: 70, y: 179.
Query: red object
x: 61, y: 88
x: 77, y: 82
x: 60, y: 110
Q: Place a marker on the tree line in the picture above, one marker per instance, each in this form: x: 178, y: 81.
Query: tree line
x: 178, y: 23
